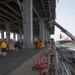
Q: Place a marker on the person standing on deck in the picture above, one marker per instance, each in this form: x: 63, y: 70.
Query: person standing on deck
x: 4, y: 47
x: 51, y: 47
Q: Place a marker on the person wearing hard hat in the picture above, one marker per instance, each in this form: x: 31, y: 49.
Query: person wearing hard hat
x: 4, y: 47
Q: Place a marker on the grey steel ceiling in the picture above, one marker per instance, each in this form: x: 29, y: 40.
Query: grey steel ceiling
x: 10, y: 12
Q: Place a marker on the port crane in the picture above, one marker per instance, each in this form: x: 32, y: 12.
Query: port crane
x: 64, y: 30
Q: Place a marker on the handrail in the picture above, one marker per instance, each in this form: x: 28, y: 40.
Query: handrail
x: 64, y: 70
x: 59, y: 64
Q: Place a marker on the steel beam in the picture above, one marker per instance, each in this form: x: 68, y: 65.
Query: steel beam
x: 42, y: 11
x: 36, y: 21
x: 43, y: 18
x: 5, y: 16
x: 1, y: 23
x: 43, y: 8
x: 50, y: 9
x: 36, y: 11
x: 20, y: 6
x: 5, y: 1
x: 42, y: 29
x: 44, y: 1
x: 2, y: 19
x: 13, y: 9
x: 19, y: 3
x: 8, y: 13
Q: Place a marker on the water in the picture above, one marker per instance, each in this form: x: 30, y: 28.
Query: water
x: 64, y: 45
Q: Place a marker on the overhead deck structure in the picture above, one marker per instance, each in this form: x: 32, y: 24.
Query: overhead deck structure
x: 28, y: 20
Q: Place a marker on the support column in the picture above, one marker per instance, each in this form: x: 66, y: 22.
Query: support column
x: 20, y: 34
x: 42, y: 29
x: 45, y: 32
x: 2, y: 34
x: 46, y: 35
x: 14, y: 36
x: 8, y: 32
x: 28, y: 23
x: 20, y: 37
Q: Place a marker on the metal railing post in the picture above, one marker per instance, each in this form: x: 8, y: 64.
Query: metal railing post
x: 56, y: 63
x: 49, y: 60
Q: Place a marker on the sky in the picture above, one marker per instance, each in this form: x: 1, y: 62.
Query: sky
x: 65, y: 16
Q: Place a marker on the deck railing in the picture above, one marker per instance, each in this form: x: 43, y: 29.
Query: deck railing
x: 59, y: 66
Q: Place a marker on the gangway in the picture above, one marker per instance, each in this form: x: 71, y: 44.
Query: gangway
x: 64, y: 30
